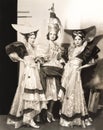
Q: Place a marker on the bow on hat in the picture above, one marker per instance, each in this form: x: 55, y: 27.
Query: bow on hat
x: 89, y: 33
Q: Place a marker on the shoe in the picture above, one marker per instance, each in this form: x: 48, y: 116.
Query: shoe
x: 90, y: 119
x: 53, y: 119
x: 50, y: 117
x: 66, y: 124
x: 48, y: 120
x: 33, y: 124
x: 87, y: 122
x: 83, y: 124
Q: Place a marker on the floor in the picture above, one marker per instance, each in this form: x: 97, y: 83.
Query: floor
x: 97, y: 125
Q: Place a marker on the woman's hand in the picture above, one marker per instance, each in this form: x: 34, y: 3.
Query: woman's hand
x: 85, y: 43
x: 78, y: 69
x: 92, y: 62
x: 60, y: 95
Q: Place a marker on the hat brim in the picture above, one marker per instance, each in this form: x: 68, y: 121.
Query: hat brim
x: 23, y: 29
x: 90, y: 32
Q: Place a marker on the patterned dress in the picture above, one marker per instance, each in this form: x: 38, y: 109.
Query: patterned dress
x: 29, y: 99
x: 74, y: 109
x: 54, y: 60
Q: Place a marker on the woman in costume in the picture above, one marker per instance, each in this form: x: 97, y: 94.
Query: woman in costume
x: 74, y: 110
x: 51, y: 70
x: 29, y: 99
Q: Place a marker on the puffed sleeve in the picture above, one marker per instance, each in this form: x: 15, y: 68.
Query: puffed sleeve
x: 17, y: 47
x: 89, y: 52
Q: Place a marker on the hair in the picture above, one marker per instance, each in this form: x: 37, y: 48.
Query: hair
x: 52, y: 15
x: 30, y: 34
x: 81, y: 34
x: 49, y: 38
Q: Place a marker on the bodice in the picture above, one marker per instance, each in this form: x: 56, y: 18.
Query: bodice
x: 73, y: 59
x: 31, y: 50
x: 53, y: 53
x: 75, y: 52
x: 53, y: 50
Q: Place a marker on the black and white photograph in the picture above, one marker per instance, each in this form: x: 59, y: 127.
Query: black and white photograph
x: 51, y: 64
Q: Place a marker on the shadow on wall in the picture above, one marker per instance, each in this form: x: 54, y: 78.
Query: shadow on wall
x: 92, y: 77
x: 97, y: 78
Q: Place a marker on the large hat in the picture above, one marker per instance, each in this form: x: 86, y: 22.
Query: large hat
x: 23, y: 29
x: 89, y: 32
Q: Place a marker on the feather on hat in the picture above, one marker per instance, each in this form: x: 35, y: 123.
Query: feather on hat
x: 54, y: 22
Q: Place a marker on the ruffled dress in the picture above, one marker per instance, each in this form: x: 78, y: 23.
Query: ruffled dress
x: 29, y: 98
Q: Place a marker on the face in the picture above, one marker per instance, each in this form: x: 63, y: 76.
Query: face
x: 78, y: 41
x: 52, y: 35
x: 31, y: 39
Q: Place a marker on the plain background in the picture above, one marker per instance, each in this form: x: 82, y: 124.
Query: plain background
x: 8, y: 69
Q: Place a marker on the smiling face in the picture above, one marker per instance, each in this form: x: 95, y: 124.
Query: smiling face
x: 78, y: 41
x: 31, y: 39
x: 52, y: 35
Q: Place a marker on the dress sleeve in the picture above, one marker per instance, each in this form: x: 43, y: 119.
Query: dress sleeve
x: 89, y: 53
x: 17, y: 47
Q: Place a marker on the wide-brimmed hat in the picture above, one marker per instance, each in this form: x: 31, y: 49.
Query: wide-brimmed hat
x: 89, y: 33
x: 23, y: 29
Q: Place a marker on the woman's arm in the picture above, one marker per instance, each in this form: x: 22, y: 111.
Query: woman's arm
x: 92, y: 62
x: 84, y: 45
x: 14, y: 57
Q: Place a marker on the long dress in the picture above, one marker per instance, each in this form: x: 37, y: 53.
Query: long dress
x: 54, y: 62
x: 29, y: 99
x: 74, y: 110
